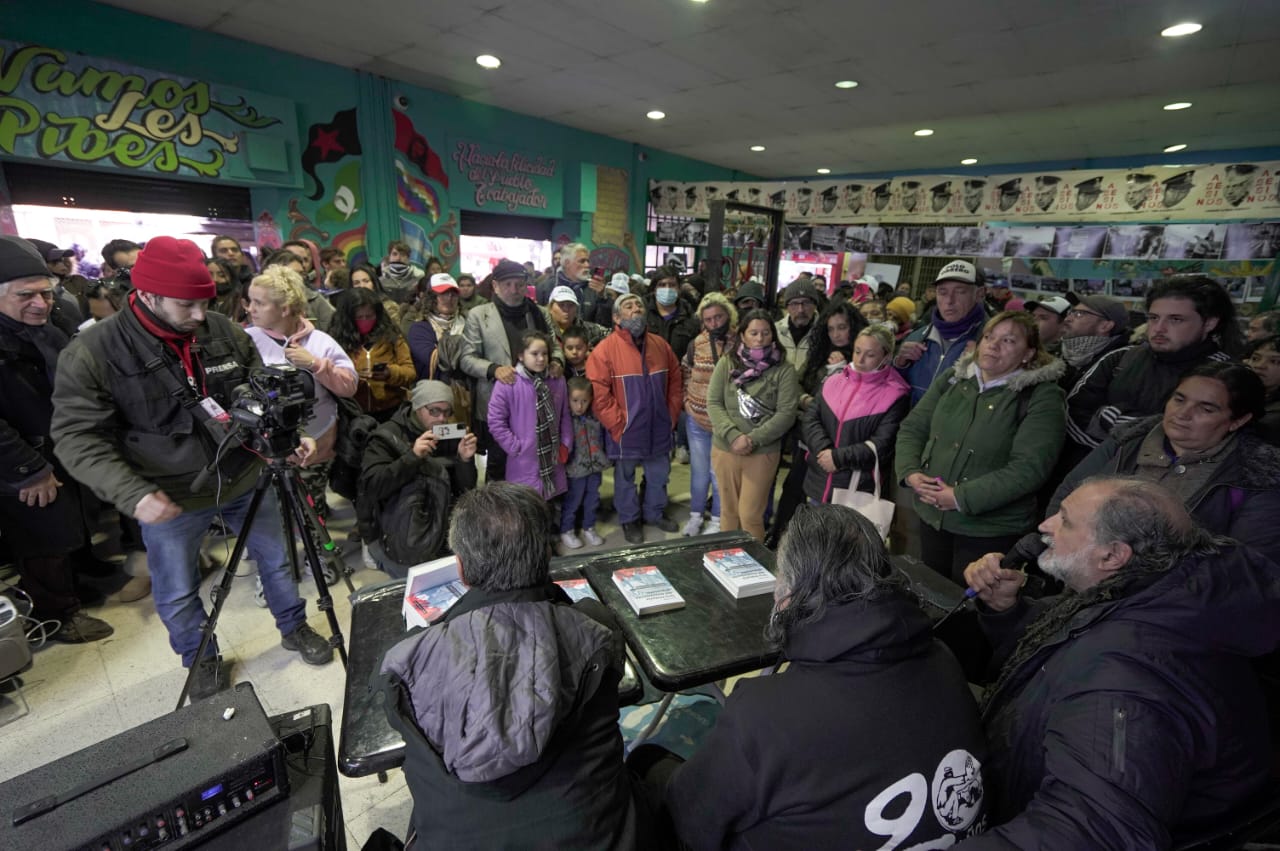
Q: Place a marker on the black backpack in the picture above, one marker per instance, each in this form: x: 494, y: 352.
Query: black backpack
x: 355, y: 427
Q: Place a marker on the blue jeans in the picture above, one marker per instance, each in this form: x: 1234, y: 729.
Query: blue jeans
x: 657, y: 470
x: 700, y: 473
x: 583, y: 492
x: 175, y: 577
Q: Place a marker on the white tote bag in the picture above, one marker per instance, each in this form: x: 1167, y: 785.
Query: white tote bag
x: 869, y: 505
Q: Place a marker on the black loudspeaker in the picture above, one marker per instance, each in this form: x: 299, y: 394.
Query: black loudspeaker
x: 310, y: 819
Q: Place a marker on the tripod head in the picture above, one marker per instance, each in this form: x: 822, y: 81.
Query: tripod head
x: 271, y: 407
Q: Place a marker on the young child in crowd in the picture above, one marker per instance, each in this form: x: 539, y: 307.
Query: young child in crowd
x: 529, y: 419
x: 585, y: 466
x: 575, y: 347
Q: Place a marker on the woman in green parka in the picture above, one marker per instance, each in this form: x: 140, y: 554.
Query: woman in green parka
x: 980, y: 444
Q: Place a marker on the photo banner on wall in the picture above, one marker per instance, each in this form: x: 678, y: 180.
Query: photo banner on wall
x: 61, y: 107
x: 498, y: 179
x: 1148, y: 193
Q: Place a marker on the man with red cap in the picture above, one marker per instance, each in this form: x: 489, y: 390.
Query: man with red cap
x: 140, y: 402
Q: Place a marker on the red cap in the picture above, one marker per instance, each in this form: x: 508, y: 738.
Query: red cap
x: 174, y: 268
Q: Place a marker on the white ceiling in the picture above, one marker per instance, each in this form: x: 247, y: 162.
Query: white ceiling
x: 1006, y: 81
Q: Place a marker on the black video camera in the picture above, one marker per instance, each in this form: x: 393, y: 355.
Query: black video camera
x: 274, y: 403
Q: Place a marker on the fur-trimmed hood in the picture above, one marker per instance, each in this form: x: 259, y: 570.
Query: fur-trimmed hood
x: 1258, y: 462
x: 967, y: 367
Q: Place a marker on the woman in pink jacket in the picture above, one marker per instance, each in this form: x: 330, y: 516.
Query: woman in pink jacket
x: 864, y: 402
x: 530, y: 420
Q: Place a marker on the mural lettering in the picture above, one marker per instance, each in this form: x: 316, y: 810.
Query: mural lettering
x: 510, y: 180
x: 54, y: 106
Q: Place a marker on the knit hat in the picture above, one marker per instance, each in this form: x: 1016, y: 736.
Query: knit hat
x: 173, y: 268
x: 798, y: 289
x: 620, y: 283
x: 20, y: 259
x: 430, y: 392
x: 901, y: 309
x: 563, y: 294
x: 751, y: 289
x: 509, y: 269
x: 1110, y: 308
x: 442, y: 282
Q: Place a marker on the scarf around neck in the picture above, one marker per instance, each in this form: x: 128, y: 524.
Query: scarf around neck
x: 544, y: 430
x: 182, y: 345
x: 1078, y: 351
x: 753, y: 369
x: 951, y: 330
x: 46, y: 338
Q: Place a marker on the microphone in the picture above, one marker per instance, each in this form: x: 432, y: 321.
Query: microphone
x: 1026, y: 551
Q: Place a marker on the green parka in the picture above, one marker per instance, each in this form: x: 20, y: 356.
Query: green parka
x: 978, y: 443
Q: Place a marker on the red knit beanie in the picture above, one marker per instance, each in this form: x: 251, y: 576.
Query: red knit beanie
x: 174, y: 268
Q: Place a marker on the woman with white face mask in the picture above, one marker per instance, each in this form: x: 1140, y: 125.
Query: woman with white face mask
x: 864, y: 401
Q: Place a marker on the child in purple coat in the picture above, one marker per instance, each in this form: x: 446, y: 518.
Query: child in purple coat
x: 529, y: 418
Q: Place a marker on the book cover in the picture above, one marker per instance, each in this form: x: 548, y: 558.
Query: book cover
x: 738, y: 573
x: 647, y: 590
x: 577, y: 589
x: 431, y: 603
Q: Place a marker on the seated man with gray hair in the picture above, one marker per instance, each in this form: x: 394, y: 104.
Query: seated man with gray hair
x: 508, y: 704
x: 1127, y: 713
x: 870, y: 736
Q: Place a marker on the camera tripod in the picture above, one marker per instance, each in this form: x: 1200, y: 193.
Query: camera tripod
x: 300, y: 521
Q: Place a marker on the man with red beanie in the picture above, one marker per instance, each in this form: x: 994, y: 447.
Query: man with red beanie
x: 140, y: 402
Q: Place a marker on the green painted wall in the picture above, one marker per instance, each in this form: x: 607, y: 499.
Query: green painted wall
x: 357, y: 196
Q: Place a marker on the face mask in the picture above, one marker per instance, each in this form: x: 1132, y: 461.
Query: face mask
x: 397, y: 270
x: 364, y: 326
x: 718, y: 333
x: 633, y: 326
x: 666, y: 296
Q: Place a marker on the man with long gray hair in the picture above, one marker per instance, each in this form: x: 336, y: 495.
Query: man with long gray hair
x: 1127, y: 713
x: 871, y: 732
x: 509, y: 703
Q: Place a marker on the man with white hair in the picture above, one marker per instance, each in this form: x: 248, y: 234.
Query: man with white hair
x: 1127, y: 713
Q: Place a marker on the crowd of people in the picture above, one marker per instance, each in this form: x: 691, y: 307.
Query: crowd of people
x: 1134, y: 452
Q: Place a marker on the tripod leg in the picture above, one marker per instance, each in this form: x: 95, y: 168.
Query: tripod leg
x: 304, y: 516
x: 334, y: 565
x: 221, y: 591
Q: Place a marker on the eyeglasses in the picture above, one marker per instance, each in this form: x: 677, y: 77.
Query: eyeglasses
x: 1077, y: 312
x: 440, y: 410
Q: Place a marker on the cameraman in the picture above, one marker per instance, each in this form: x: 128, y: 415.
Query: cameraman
x: 140, y: 406
x: 405, y: 461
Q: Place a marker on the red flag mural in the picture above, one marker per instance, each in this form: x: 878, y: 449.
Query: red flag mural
x: 414, y: 145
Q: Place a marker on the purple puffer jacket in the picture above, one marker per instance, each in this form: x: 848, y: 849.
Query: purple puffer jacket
x: 513, y: 422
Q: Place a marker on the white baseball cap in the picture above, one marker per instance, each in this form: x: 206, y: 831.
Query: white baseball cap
x: 1056, y: 304
x: 443, y: 282
x: 958, y: 270
x: 563, y: 293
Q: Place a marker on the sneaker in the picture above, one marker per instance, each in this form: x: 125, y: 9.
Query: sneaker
x: 570, y: 541
x: 682, y: 455
x: 591, y: 538
x: 367, y: 558
x: 81, y: 629
x: 259, y: 596
x: 633, y: 533
x: 208, y: 679
x: 693, y: 527
x: 713, y: 526
x: 315, y: 650
x: 665, y: 523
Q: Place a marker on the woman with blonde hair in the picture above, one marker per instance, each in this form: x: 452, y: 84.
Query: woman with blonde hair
x: 980, y: 444
x: 854, y: 418
x: 284, y: 335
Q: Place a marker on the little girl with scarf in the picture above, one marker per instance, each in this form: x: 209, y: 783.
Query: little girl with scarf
x: 530, y: 420
x: 752, y: 399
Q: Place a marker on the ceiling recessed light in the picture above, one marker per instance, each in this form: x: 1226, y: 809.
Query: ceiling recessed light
x: 924, y: 132
x: 1179, y: 105
x: 486, y: 61
x: 847, y: 84
x: 968, y: 161
x: 1181, y: 29
x: 699, y: 1
x: 656, y: 114
x: 824, y: 171
x: 757, y: 148
x: 1173, y: 149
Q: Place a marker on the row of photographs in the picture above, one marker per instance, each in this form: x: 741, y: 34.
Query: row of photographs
x: 1240, y: 289
x: 1240, y: 241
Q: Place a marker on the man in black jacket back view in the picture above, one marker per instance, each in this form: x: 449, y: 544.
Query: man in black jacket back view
x: 1127, y: 713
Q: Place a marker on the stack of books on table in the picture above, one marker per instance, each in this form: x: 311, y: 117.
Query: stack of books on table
x: 429, y: 590
x: 739, y: 573
x: 646, y: 590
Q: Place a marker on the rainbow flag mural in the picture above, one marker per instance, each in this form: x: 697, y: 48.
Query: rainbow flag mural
x: 352, y: 245
x: 415, y: 196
